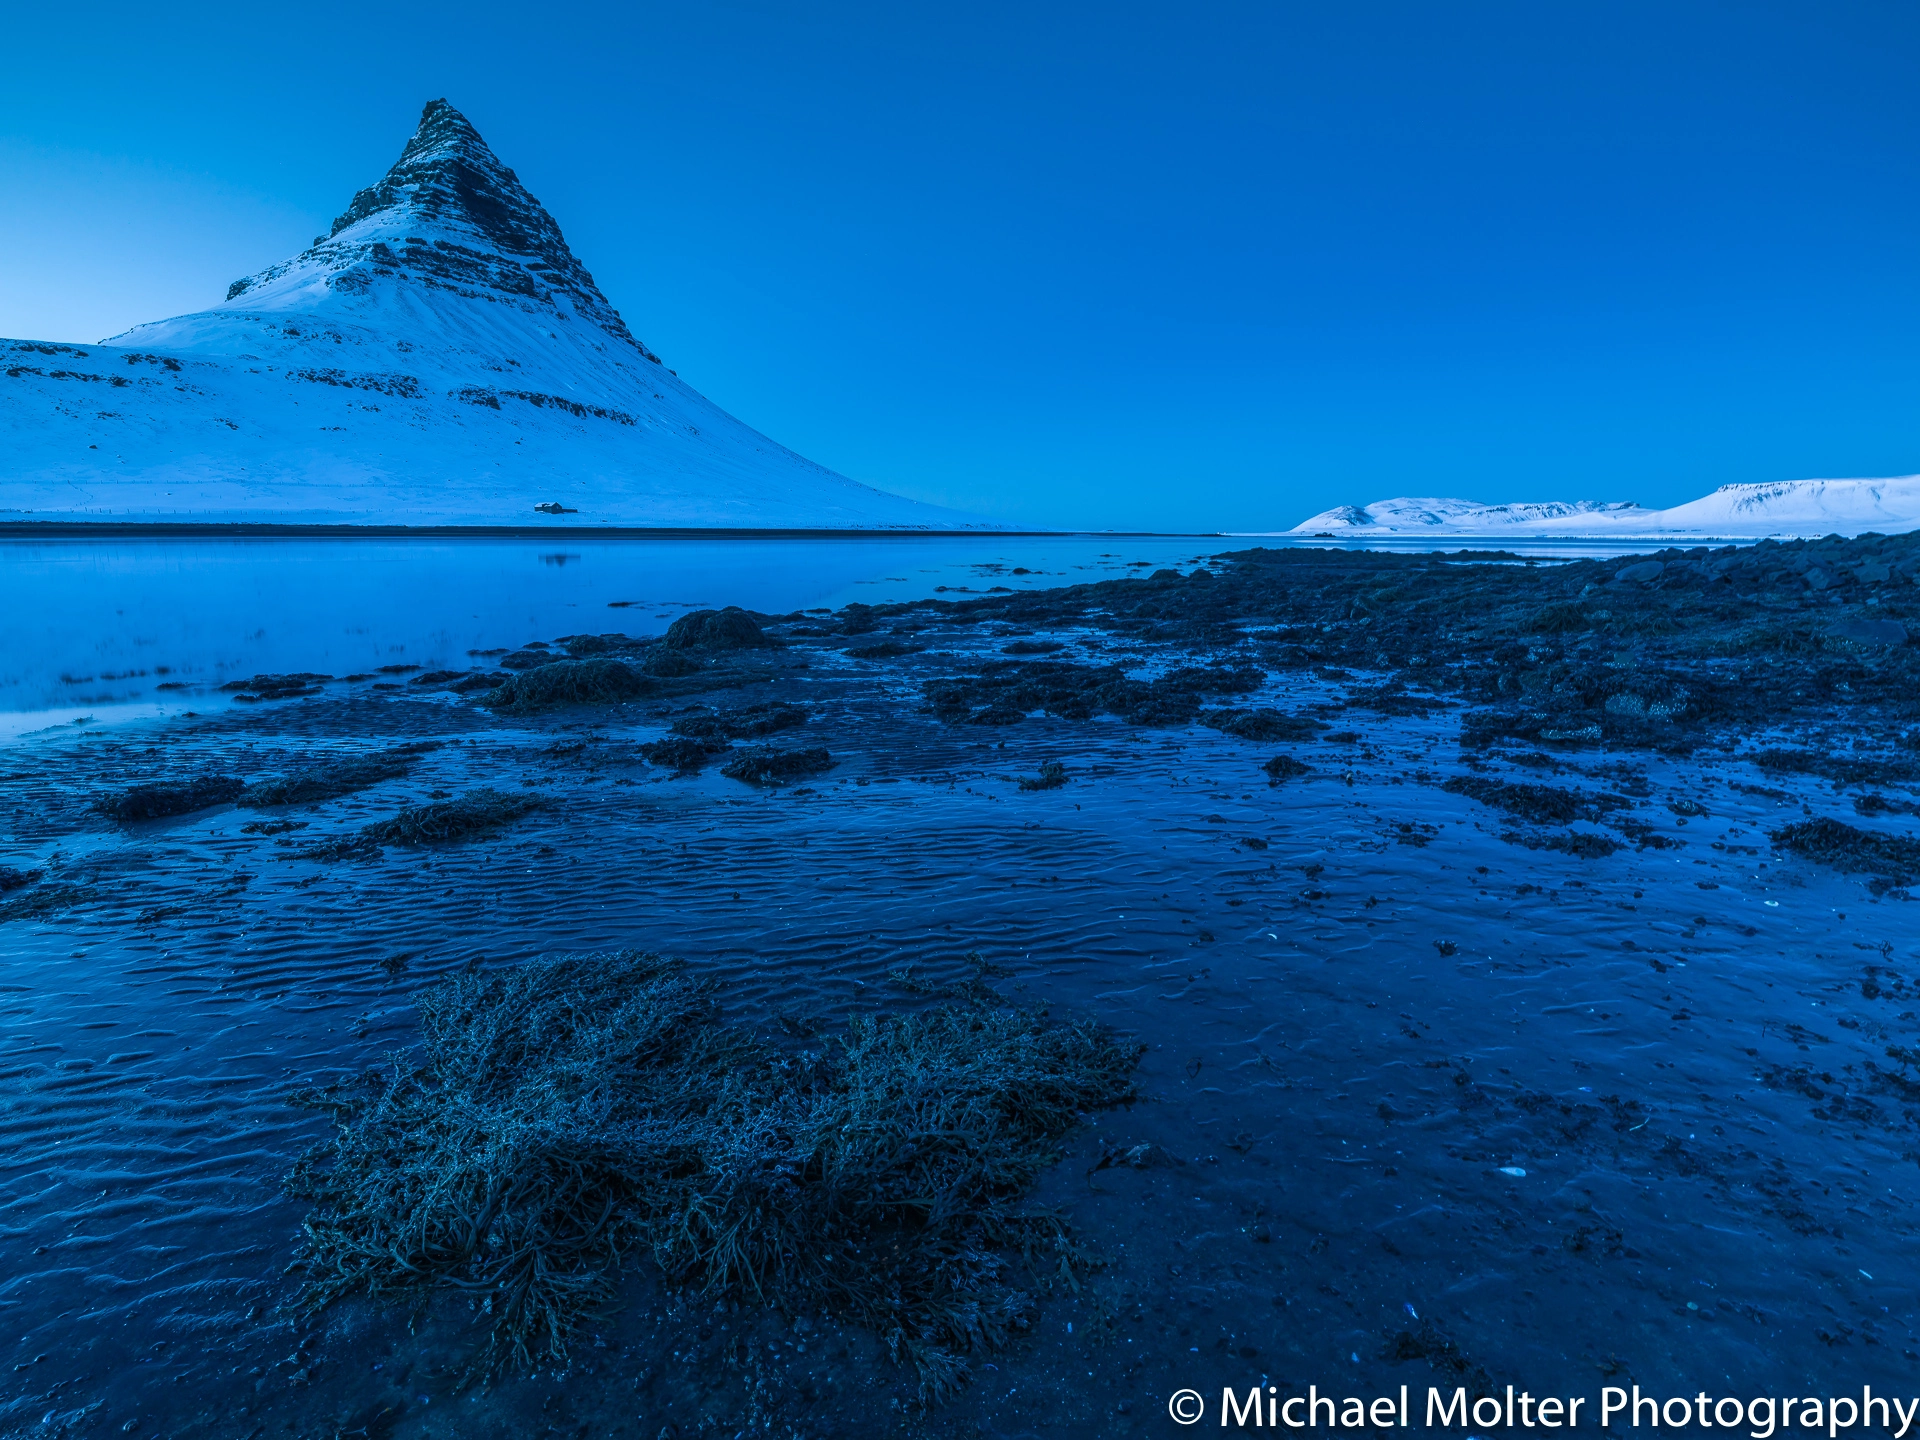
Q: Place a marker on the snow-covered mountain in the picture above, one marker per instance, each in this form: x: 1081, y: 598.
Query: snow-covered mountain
x: 440, y: 357
x: 1733, y: 512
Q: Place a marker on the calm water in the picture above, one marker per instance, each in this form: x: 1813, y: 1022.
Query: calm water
x: 97, y: 626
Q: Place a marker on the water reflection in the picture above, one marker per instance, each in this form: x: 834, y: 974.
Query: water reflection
x: 119, y: 627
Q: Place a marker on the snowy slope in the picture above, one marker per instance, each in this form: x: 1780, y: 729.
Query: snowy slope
x: 439, y: 358
x: 1785, y: 508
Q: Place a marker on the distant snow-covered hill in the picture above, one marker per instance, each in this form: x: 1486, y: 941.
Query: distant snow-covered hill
x: 1733, y: 512
x: 439, y: 358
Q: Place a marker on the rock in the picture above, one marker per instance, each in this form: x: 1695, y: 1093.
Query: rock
x: 1641, y: 573
x: 1862, y: 631
x: 728, y: 629
x: 568, y: 682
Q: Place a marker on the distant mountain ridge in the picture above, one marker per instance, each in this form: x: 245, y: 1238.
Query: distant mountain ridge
x: 439, y: 357
x: 1786, y: 508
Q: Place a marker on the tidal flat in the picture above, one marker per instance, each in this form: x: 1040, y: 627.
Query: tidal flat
x: 985, y: 1016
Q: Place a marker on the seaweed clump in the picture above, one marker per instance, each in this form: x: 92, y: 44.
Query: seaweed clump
x: 1004, y: 691
x: 764, y: 765
x: 677, y: 752
x: 328, y: 779
x: 47, y: 900
x: 1847, y: 847
x: 1261, y: 724
x: 1581, y: 844
x: 566, y: 1115
x: 728, y: 629
x: 441, y: 820
x: 1542, y: 804
x: 697, y: 738
x: 1051, y: 777
x: 568, y: 682
x: 1282, y: 768
x: 152, y: 802
x: 714, y: 730
x: 276, y: 687
x: 12, y: 879
x: 885, y: 650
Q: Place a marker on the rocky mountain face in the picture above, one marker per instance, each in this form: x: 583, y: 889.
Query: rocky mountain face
x: 439, y: 357
x: 469, y: 225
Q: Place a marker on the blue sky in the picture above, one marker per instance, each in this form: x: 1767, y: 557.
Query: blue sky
x: 1152, y: 266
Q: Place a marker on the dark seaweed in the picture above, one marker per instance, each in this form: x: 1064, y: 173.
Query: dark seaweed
x: 1662, y: 651
x: 764, y: 765
x: 571, y: 1113
x: 885, y: 650
x: 728, y: 629
x: 329, y: 778
x: 667, y: 663
x: 1845, y: 847
x: 44, y: 901
x: 1283, y: 767
x: 1580, y: 843
x: 1847, y: 769
x: 677, y: 752
x: 276, y: 687
x: 474, y: 813
x: 151, y: 802
x: 1542, y: 804
x: 1051, y: 777
x: 715, y: 729
x: 568, y: 682
x: 1004, y: 691
x: 1261, y: 724
x: 1883, y: 805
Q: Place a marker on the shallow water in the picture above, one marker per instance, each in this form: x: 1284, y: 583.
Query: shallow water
x: 100, y: 626
x: 1366, y: 1014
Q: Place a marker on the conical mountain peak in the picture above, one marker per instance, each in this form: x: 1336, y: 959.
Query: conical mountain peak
x: 447, y: 172
x: 447, y: 216
x: 438, y: 357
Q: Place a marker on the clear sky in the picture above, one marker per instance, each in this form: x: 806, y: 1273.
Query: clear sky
x: 1194, y: 266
